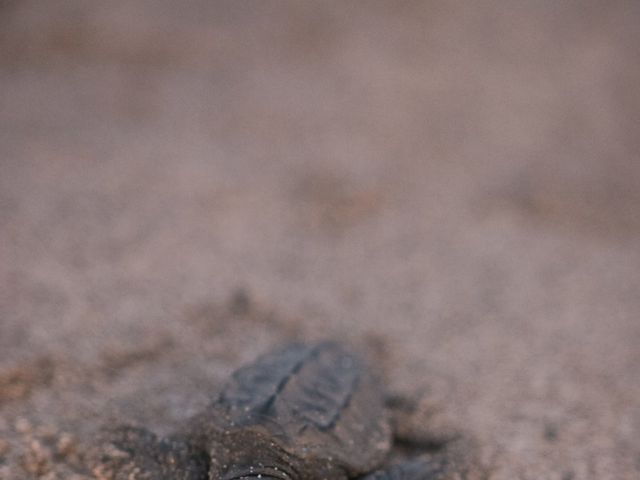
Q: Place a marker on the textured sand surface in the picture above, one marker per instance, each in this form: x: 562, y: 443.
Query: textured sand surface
x: 453, y: 187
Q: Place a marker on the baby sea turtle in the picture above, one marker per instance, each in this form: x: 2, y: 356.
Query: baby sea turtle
x: 299, y: 413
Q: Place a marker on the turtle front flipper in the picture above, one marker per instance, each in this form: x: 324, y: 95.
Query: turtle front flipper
x: 412, y: 470
x: 127, y: 452
x: 433, y: 468
x: 459, y: 460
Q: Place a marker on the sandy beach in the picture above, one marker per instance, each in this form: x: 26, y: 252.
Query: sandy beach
x: 450, y: 188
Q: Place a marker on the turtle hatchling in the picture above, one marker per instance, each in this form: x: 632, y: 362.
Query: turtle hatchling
x: 302, y: 412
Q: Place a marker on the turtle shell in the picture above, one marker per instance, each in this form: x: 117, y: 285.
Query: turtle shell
x: 301, y: 412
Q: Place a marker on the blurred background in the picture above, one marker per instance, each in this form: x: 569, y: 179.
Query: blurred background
x: 451, y: 187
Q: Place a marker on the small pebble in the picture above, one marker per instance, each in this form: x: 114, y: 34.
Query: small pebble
x: 23, y: 425
x: 4, y: 447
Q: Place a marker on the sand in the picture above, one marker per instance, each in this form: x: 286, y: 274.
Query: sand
x: 452, y: 188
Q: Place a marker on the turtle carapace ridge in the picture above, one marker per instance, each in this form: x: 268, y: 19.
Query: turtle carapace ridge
x: 312, y: 384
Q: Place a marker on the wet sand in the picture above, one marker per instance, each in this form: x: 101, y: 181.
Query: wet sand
x: 451, y: 188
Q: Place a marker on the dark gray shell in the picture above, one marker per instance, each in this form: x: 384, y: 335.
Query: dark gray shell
x: 302, y: 412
